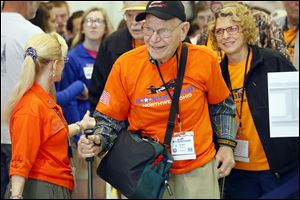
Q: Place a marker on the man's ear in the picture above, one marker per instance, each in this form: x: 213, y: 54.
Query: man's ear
x: 184, y: 30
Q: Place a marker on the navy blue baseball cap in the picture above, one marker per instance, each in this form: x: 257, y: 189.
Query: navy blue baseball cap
x: 164, y: 10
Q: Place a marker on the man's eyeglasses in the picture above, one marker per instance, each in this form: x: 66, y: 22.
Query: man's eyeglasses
x: 231, y: 30
x: 97, y: 22
x: 162, y: 33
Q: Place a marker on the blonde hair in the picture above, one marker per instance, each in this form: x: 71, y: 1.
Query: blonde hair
x: 48, y: 47
x: 239, y: 14
x: 108, y: 26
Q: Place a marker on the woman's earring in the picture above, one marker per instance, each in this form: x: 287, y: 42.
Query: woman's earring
x: 53, y: 74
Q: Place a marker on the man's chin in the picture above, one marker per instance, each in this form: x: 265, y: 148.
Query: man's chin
x: 137, y: 35
x: 155, y: 56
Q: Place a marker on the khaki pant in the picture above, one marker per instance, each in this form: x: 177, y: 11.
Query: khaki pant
x: 201, y: 183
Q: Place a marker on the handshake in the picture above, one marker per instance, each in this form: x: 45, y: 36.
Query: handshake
x: 88, y: 144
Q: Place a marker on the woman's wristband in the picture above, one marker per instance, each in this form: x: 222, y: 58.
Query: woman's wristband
x: 81, y: 128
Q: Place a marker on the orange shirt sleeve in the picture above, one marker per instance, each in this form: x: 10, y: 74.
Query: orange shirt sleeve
x: 114, y: 101
x: 216, y: 86
x: 26, y: 140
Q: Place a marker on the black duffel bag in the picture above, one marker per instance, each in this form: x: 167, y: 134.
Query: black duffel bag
x: 138, y: 167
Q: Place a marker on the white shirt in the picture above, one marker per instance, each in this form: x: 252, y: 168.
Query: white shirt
x: 15, y: 31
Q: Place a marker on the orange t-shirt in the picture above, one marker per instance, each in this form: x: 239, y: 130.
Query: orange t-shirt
x: 257, y: 157
x: 40, y: 139
x: 136, y: 43
x: 290, y: 40
x: 130, y: 92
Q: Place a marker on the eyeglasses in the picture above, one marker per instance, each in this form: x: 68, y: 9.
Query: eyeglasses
x: 97, y: 22
x: 162, y: 33
x: 231, y: 30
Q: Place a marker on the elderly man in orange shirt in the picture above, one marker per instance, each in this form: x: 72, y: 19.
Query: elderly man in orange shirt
x: 139, y: 88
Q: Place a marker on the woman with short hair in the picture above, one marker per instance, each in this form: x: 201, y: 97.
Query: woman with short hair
x: 262, y: 163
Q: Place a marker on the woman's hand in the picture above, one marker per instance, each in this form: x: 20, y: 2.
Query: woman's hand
x: 87, y: 121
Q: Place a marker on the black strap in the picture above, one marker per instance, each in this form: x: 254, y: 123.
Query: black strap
x: 175, y: 99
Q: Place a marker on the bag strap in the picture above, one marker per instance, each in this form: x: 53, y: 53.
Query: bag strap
x: 175, y: 100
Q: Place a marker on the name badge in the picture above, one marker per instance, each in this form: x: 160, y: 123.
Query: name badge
x: 88, y: 70
x: 241, y: 151
x: 182, y: 146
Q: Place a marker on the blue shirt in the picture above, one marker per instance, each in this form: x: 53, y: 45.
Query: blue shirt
x: 78, y: 69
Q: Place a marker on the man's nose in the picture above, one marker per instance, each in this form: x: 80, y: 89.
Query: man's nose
x: 155, y: 37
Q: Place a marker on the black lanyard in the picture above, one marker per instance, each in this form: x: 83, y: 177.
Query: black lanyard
x: 165, y: 85
x: 161, y: 76
x: 243, y: 90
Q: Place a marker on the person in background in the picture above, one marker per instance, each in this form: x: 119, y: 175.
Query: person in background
x: 122, y: 24
x: 73, y: 26
x: 45, y: 17
x: 95, y: 27
x: 15, y: 31
x: 203, y: 15
x: 114, y: 46
x: 189, y: 8
x: 270, y: 35
x: 204, y: 98
x: 291, y: 29
x: 193, y: 32
x: 62, y: 12
x: 40, y: 167
x: 262, y: 163
x: 215, y: 5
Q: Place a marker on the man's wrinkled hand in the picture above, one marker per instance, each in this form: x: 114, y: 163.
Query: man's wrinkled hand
x: 89, y: 147
x: 225, y: 160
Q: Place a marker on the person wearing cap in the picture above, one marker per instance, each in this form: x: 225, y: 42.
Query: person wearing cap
x: 115, y: 45
x: 205, y: 104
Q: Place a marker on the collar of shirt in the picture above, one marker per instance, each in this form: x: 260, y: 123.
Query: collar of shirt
x: 43, y: 95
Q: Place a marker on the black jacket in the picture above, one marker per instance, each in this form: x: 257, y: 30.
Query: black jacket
x: 111, y: 48
x: 282, y: 153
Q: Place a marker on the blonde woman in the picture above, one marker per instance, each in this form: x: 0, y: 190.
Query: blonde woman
x: 262, y: 163
x: 40, y: 167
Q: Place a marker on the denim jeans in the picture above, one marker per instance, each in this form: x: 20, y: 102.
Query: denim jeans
x: 5, y: 162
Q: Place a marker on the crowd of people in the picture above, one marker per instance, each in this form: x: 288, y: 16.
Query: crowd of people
x: 64, y: 73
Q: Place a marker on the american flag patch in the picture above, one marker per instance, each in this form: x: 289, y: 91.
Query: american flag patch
x: 105, y: 98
